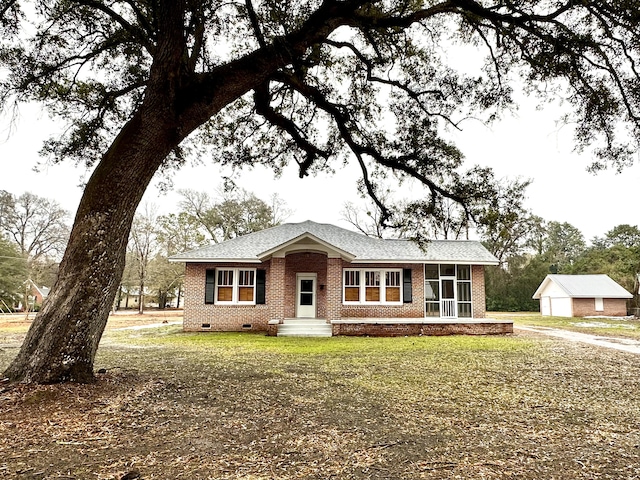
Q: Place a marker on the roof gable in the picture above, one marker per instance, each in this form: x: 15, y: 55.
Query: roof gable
x: 306, y: 242
x: 583, y: 286
x: 351, y: 246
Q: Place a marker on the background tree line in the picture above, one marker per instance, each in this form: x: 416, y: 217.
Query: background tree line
x: 527, y: 246
x: 33, y: 234
x: 34, y: 231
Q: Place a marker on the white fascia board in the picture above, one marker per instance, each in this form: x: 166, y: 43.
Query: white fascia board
x: 603, y: 296
x: 543, y: 285
x: 423, y: 261
x: 214, y: 260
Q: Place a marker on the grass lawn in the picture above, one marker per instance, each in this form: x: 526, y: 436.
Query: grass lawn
x: 608, y: 327
x: 245, y: 406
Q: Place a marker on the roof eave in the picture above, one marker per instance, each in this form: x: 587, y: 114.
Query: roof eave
x: 621, y: 296
x: 214, y: 260
x: 425, y: 260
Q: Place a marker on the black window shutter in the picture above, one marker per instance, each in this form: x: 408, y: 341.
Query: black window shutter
x: 407, y: 294
x: 261, y: 280
x: 210, y: 286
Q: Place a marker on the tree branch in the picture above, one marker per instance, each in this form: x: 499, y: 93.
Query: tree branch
x: 255, y: 24
x: 138, y: 33
x: 262, y: 98
x: 342, y: 120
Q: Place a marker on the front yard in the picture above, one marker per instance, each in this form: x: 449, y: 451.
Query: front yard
x: 246, y: 406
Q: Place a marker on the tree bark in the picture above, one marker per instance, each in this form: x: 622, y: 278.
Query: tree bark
x: 62, y: 342
x: 63, y: 339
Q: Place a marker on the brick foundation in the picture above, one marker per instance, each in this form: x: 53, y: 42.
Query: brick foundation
x: 416, y: 329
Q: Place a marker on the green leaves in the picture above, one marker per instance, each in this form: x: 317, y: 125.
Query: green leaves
x: 375, y: 82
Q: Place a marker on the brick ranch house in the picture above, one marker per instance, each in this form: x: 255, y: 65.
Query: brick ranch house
x: 311, y: 278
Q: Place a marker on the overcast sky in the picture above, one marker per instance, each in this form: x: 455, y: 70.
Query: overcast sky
x: 529, y: 145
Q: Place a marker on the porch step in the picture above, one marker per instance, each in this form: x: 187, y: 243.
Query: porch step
x: 304, y: 327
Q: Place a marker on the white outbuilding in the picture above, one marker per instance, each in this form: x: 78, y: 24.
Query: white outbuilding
x: 581, y: 296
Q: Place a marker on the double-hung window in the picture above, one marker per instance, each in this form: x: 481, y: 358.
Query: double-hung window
x: 392, y: 289
x: 351, y: 286
x: 246, y: 285
x: 235, y: 285
x: 372, y: 286
x: 224, y: 289
x: 364, y: 286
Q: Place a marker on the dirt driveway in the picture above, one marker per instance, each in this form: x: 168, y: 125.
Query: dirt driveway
x: 623, y: 344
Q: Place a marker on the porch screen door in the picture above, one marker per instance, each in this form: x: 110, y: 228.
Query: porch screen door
x: 448, y: 298
x: 306, y: 295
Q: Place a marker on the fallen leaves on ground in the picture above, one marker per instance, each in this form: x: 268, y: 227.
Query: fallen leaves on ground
x: 250, y: 407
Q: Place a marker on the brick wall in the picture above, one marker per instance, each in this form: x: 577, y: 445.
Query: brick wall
x: 478, y: 296
x: 334, y: 288
x: 415, y: 309
x: 307, y: 262
x: 220, y: 317
x: 276, y: 291
x: 414, y: 329
x: 613, y: 307
x: 281, y: 292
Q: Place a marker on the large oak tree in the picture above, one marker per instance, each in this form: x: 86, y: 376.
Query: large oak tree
x: 143, y: 82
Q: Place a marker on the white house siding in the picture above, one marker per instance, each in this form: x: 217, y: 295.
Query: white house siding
x: 552, y: 290
x: 555, y: 301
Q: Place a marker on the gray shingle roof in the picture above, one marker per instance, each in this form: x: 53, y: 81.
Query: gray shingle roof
x: 252, y: 247
x: 585, y: 286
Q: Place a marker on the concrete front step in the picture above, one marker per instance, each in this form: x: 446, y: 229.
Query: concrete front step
x: 304, y: 327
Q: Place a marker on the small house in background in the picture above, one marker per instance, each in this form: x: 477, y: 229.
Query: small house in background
x: 34, y: 296
x: 581, y: 296
x: 37, y: 293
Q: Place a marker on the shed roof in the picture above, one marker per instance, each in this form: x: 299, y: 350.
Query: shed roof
x: 584, y: 286
x: 354, y: 247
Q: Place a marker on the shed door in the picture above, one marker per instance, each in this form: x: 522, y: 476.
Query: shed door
x: 545, y: 306
x: 561, y: 307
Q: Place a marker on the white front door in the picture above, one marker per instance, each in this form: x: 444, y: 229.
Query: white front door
x: 306, y: 295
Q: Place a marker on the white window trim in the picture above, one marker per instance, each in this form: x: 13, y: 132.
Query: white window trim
x: 362, y: 286
x: 235, y: 287
x: 599, y: 304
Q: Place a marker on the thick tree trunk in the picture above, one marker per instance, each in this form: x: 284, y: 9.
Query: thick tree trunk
x: 62, y: 342
x: 63, y: 339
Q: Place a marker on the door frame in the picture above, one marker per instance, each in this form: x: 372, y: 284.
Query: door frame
x: 306, y: 276
x: 449, y: 304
